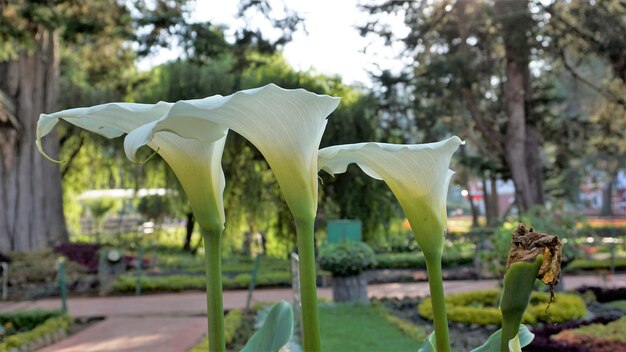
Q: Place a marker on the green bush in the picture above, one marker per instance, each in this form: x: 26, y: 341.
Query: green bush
x: 481, y: 307
x: 586, y: 264
x: 26, y: 320
x: 347, y: 258
x: 405, y: 260
x: 50, y: 326
x: 415, y: 260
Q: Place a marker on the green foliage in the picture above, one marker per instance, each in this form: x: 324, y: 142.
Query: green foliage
x: 275, y: 332
x: 232, y: 325
x: 416, y: 260
x: 39, y: 267
x: 100, y: 207
x: 183, y: 261
x: 177, y: 283
x: 21, y: 321
x: 340, y: 323
x: 481, y: 307
x: 154, y: 207
x: 49, y: 326
x: 596, y: 264
x: 346, y: 258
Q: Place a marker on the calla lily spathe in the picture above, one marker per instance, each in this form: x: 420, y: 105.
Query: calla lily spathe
x: 285, y: 125
x: 417, y: 174
x: 196, y: 163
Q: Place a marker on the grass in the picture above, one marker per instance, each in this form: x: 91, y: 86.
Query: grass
x: 357, y: 328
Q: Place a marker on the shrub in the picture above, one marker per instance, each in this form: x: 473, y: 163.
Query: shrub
x: 27, y: 320
x: 346, y: 258
x: 49, y: 326
x: 587, y: 264
x: 481, y: 307
x: 85, y: 254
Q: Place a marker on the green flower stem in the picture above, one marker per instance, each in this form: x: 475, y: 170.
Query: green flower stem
x: 518, y: 285
x: 435, y: 282
x: 215, y: 307
x: 308, y: 286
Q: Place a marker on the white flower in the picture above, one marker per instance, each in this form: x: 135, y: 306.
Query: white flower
x: 285, y: 125
x: 196, y: 163
x: 417, y: 174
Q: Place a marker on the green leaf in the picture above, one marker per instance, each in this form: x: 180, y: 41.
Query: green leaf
x: 429, y: 344
x: 514, y: 344
x: 276, y: 330
x: 523, y: 338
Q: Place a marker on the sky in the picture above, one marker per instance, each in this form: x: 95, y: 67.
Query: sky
x: 331, y: 44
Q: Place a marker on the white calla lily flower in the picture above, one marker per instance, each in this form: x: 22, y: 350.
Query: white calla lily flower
x: 417, y: 174
x: 196, y: 163
x: 285, y: 125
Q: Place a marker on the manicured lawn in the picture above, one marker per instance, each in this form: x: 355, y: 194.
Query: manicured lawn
x: 360, y: 328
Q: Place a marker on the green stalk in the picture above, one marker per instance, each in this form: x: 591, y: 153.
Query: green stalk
x: 215, y: 308
x: 519, y: 281
x: 440, y: 319
x: 308, y: 286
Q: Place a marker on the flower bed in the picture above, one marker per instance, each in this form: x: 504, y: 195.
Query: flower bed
x: 597, y: 337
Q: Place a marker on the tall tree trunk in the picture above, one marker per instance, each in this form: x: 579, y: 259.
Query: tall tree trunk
x: 31, y: 202
x: 607, y: 195
x: 495, y: 200
x: 473, y: 208
x: 483, y: 181
x: 516, y: 23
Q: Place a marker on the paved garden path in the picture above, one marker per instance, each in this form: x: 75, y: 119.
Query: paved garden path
x: 175, y: 322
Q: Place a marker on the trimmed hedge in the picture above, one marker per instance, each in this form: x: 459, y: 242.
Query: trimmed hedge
x: 21, y: 321
x: 175, y: 283
x: 50, y: 326
x: 416, y: 260
x: 481, y: 307
x: 586, y: 264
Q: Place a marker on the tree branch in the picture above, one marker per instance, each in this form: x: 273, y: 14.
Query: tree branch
x: 68, y: 164
x: 605, y: 92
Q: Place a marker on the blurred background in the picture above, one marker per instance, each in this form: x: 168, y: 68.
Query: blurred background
x: 537, y: 89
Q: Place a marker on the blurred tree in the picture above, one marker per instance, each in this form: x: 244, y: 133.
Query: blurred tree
x: 31, y: 37
x: 482, y: 70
